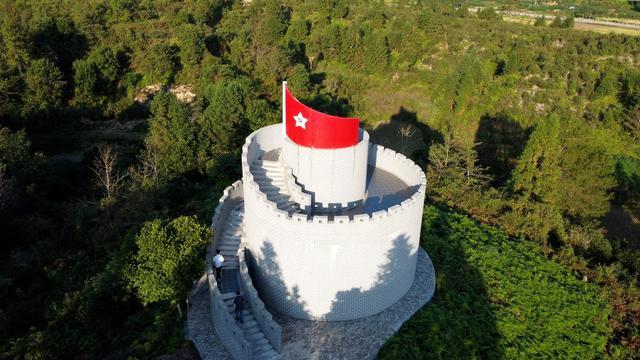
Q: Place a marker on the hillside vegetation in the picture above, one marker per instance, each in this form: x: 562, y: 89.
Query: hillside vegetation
x: 121, y: 121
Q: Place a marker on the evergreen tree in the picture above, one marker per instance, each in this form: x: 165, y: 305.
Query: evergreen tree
x: 224, y: 125
x: 535, y: 211
x: 298, y: 30
x: 272, y: 24
x: 192, y: 47
x: 557, y: 22
x: 160, y: 62
x: 298, y: 81
x: 540, y: 21
x: 587, y: 174
x: 489, y: 13
x: 567, y: 22
x: 85, y: 78
x: 376, y: 52
x: 44, y: 86
x: 172, y: 136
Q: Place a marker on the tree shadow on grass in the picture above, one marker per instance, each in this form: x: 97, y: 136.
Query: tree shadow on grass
x: 499, y: 142
x: 406, y: 134
x: 459, y: 323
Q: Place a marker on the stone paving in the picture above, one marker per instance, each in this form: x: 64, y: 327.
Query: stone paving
x: 304, y: 339
x: 200, y: 327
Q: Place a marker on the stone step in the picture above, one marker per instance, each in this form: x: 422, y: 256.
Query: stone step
x: 252, y: 333
x: 232, y: 232
x: 228, y: 296
x: 278, y: 197
x: 226, y: 246
x: 262, y: 349
x: 268, y: 173
x: 234, y: 241
x: 226, y: 253
x: 261, y: 341
x: 267, y: 355
x: 263, y: 180
x: 267, y: 163
x: 248, y: 324
x: 273, y: 191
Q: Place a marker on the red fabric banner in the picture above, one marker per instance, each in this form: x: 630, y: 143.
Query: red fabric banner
x: 311, y: 128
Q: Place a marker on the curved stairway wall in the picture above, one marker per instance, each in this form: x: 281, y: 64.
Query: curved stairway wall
x: 245, y: 340
x: 331, y: 267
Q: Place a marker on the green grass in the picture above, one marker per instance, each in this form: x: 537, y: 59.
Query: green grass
x: 498, y: 297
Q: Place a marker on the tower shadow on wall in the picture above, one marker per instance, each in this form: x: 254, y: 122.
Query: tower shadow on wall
x: 499, y: 142
x: 460, y: 321
x: 272, y: 279
x: 405, y: 134
x: 388, y: 276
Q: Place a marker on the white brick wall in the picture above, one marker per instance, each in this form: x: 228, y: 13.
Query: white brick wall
x: 332, y: 270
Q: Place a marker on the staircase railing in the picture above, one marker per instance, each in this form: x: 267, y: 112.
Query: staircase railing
x: 271, y: 330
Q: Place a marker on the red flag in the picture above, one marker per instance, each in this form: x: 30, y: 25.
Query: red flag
x: 311, y: 128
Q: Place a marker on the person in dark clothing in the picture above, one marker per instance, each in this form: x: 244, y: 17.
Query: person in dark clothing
x: 240, y: 303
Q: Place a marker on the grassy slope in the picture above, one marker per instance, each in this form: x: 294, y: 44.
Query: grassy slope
x: 499, y: 297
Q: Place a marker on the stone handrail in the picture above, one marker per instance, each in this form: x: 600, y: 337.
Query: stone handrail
x: 296, y: 192
x: 228, y: 331
x: 230, y: 334
x: 272, y: 331
x: 231, y: 197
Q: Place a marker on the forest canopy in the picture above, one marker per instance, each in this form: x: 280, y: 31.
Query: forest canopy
x: 121, y: 122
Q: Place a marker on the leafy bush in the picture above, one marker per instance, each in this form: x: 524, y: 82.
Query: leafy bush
x: 169, y: 258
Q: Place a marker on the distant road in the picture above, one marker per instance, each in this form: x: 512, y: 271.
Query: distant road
x: 578, y: 20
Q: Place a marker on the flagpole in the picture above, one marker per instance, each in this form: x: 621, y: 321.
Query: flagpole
x: 284, y: 110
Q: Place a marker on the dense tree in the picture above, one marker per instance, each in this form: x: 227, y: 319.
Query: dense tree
x: 169, y: 257
x: 192, y: 47
x: 489, y: 13
x: 272, y: 23
x: 540, y: 21
x: 557, y: 22
x: 376, y: 52
x: 298, y: 30
x: 630, y: 94
x: 586, y: 174
x: 298, y: 81
x: 567, y: 22
x: 536, y: 209
x: 172, y: 135
x: 44, y: 83
x: 224, y: 124
x: 159, y: 63
x: 10, y: 83
x: 14, y: 152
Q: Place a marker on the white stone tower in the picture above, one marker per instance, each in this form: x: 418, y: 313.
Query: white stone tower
x: 331, y: 226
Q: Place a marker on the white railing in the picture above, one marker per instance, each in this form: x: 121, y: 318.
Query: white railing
x: 228, y: 331
x: 271, y: 330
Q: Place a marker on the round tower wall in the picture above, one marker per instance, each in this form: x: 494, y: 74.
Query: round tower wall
x: 331, y: 268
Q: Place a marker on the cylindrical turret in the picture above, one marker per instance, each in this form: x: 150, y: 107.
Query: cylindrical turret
x: 335, y: 178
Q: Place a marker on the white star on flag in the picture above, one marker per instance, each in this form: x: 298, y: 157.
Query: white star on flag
x: 301, y: 121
